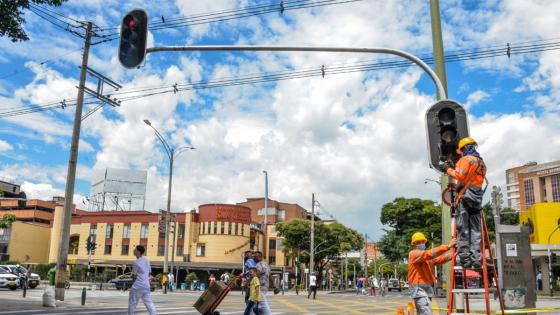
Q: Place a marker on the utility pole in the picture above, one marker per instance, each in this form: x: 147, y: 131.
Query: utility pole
x: 61, y: 262
x: 346, y: 272
x: 365, y: 257
x: 439, y: 62
x: 496, y: 206
x: 167, y: 213
x: 173, y: 250
x: 265, y: 199
x: 312, y: 246
x: 375, y: 260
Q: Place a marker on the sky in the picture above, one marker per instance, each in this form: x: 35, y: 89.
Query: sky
x: 356, y: 140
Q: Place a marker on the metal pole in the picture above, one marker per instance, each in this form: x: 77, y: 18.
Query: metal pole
x: 497, y: 217
x: 61, y: 261
x: 346, y: 272
x: 365, y: 257
x: 173, y: 246
x: 297, y: 267
x: 166, y: 249
x: 550, y: 262
x: 376, y: 50
x: 439, y: 62
x: 374, y: 260
x: 312, y: 245
x: 354, y: 273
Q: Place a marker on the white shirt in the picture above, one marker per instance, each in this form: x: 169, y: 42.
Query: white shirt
x: 141, y: 269
x: 171, y: 277
x: 313, y: 280
x: 539, y: 276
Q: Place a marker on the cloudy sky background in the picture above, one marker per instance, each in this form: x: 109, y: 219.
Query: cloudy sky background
x: 356, y: 140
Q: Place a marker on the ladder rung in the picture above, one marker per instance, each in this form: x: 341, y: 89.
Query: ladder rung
x: 477, y: 290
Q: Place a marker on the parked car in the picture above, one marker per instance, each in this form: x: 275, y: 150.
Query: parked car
x: 394, y: 284
x: 32, y: 281
x: 124, y: 282
x: 8, y: 279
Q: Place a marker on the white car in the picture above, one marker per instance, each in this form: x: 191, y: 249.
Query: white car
x: 32, y: 282
x: 8, y: 280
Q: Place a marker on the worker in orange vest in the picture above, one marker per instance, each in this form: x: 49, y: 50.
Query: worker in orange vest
x: 421, y: 279
x: 470, y: 173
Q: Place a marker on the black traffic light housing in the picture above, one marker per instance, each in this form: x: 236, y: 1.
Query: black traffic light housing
x: 90, y: 244
x: 553, y: 258
x: 446, y: 124
x: 134, y: 33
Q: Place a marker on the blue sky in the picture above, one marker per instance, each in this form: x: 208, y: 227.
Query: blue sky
x: 354, y: 139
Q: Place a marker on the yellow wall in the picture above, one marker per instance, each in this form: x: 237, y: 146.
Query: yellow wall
x: 545, y: 218
x: 29, y: 243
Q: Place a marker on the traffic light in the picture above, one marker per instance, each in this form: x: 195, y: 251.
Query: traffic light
x: 446, y: 124
x: 134, y: 33
x: 90, y: 244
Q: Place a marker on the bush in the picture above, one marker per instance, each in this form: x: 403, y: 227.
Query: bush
x: 43, y: 270
x: 78, y: 273
x: 108, y: 274
x: 190, y: 278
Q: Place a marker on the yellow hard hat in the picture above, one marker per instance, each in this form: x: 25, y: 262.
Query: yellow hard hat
x: 463, y: 142
x: 418, y: 237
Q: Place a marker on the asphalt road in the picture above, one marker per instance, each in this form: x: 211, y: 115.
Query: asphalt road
x: 115, y: 302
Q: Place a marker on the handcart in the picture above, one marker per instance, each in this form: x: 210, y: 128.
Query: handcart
x: 211, y: 298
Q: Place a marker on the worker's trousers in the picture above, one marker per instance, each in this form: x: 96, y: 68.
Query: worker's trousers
x: 423, y: 305
x: 468, y: 221
x: 422, y: 296
x: 134, y: 297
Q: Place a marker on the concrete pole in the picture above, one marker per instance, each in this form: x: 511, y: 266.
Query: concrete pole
x: 168, y: 212
x: 61, y: 262
x: 365, y: 257
x: 265, y: 199
x: 439, y: 62
x: 173, y: 246
x: 346, y: 272
x: 497, y: 207
x: 312, y: 245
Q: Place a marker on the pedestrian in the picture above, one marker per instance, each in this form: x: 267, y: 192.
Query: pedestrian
x: 255, y: 293
x: 249, y: 263
x: 539, y: 280
x: 375, y: 285
x: 372, y: 286
x: 171, y: 281
x: 470, y: 173
x: 141, y: 282
x: 264, y: 278
x: 421, y: 271
x: 164, y: 281
x: 359, y: 285
x: 211, y: 280
x: 312, y: 285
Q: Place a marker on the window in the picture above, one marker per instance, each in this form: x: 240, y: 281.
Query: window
x: 270, y: 211
x: 242, y: 230
x: 555, y: 187
x: 124, y: 250
x: 272, y: 260
x: 108, y: 249
x: 222, y: 227
x: 529, y: 193
x: 144, y: 231
x: 161, y: 233
x: 200, y: 249
x: 93, y: 230
x: 179, y: 251
x: 160, y: 250
x: 126, y: 231
x: 208, y: 227
x: 272, y: 244
x: 181, y: 231
x: 215, y: 227
x: 236, y: 228
x: 281, y: 215
x: 109, y: 231
x: 229, y: 228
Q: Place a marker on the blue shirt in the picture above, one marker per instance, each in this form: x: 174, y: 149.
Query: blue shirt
x: 249, y: 263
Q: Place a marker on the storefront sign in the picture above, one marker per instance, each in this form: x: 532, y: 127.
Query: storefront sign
x: 225, y: 214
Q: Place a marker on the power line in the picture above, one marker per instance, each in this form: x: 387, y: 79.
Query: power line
x: 361, y: 66
x: 44, y: 62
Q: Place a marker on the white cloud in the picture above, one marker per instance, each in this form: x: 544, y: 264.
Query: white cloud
x: 476, y: 97
x: 5, y: 146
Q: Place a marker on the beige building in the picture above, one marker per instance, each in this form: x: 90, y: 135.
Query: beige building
x: 533, y: 183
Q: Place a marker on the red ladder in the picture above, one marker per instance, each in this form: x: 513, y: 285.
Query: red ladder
x: 484, y: 242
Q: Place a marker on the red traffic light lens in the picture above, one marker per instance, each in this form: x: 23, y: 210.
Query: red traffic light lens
x: 129, y: 21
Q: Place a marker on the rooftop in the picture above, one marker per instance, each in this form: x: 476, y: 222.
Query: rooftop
x: 541, y: 167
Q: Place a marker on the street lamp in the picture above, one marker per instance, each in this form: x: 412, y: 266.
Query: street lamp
x: 172, y: 153
x: 426, y: 180
x: 550, y: 260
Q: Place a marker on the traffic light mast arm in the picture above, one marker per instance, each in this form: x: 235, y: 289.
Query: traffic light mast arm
x: 374, y: 50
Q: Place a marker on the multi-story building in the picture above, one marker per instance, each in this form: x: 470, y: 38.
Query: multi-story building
x: 538, y: 183
x: 512, y: 185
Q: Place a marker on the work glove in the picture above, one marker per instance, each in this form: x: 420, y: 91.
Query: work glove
x: 446, y: 165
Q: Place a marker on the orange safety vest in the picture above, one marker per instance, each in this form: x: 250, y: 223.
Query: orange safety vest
x: 421, y: 264
x: 469, y: 170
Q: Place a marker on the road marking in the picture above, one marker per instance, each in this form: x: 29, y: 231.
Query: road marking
x: 346, y: 310
x: 292, y: 305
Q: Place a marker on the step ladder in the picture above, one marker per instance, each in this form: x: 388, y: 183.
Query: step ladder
x: 485, y: 244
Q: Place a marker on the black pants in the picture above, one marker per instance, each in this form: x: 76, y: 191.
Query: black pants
x: 247, y: 293
x: 468, y: 221
x: 312, y: 289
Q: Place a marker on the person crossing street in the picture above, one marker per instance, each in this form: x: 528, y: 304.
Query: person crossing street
x: 141, y: 286
x: 421, y: 278
x: 470, y: 173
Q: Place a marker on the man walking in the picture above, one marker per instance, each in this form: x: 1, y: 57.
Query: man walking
x: 312, y: 285
x: 470, y: 173
x: 141, y: 286
x: 264, y: 276
x: 421, y: 277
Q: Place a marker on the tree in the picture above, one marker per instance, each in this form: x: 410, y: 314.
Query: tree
x: 330, y: 241
x: 509, y: 216
x: 12, y: 19
x: 404, y: 217
x: 7, y: 221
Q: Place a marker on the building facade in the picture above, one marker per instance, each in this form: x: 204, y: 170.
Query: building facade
x: 539, y: 183
x: 512, y: 185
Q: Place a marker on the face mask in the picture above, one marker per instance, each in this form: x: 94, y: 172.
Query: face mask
x: 421, y: 246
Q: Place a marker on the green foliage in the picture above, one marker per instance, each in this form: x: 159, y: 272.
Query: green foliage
x: 330, y: 240
x: 405, y: 216
x: 78, y: 273
x: 12, y: 17
x: 7, y: 221
x: 509, y: 217
x: 107, y: 274
x: 43, y: 270
x: 190, y: 278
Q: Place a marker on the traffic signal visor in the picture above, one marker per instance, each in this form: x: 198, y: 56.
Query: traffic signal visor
x: 134, y: 33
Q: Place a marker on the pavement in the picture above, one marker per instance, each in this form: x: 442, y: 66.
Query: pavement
x: 109, y: 302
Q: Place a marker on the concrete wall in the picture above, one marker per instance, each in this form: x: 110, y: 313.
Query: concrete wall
x: 29, y: 243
